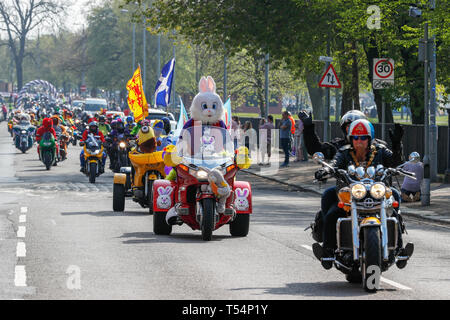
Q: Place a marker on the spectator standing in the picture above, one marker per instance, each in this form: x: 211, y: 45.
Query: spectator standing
x: 265, y: 138
x: 301, y: 151
x: 285, y: 137
x: 292, y: 131
x: 249, y: 137
x: 235, y: 130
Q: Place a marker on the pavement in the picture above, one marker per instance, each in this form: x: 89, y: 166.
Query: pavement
x: 300, y: 175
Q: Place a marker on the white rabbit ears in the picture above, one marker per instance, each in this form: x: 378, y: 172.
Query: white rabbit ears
x: 207, y: 85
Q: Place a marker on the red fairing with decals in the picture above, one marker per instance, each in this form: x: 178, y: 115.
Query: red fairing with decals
x: 242, y: 197
x: 163, y: 195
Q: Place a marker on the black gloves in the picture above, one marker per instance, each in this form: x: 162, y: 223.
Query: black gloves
x: 305, y: 117
x: 396, y: 135
x: 321, y: 174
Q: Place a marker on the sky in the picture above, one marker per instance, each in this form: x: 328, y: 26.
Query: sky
x: 77, y: 13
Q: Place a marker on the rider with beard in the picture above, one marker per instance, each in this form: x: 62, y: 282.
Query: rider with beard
x: 365, y: 151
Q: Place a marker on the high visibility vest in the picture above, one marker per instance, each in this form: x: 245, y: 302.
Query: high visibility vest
x: 293, y: 124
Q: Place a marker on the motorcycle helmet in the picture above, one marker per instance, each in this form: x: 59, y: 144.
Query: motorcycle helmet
x: 93, y: 127
x: 361, y: 128
x: 167, y: 126
x: 113, y: 125
x: 349, y: 117
x: 414, y: 157
x: 130, y: 119
x: 158, y: 126
x: 102, y: 119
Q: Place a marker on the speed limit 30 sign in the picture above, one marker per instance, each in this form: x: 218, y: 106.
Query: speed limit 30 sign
x: 383, y: 73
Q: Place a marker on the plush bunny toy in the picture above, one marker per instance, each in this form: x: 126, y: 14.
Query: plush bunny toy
x: 207, y: 107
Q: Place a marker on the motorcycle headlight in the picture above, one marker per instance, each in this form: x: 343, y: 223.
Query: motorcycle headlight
x: 122, y: 145
x: 377, y: 191
x: 24, y: 132
x: 359, y: 191
x: 202, y: 174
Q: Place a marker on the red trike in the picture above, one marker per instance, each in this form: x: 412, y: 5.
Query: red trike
x: 194, y: 199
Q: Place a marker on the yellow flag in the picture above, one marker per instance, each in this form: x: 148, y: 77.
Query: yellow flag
x: 136, y: 97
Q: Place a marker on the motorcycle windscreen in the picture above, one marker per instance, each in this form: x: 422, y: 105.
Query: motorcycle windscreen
x: 205, y: 146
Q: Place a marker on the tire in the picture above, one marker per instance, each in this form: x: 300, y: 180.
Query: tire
x: 160, y: 226
x: 92, y: 172
x: 150, y: 196
x: 118, y: 197
x: 208, y: 224
x: 240, y: 225
x: 372, y: 254
x: 47, y: 159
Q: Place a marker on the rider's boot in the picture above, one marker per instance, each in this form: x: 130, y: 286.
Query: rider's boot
x: 325, y: 256
x: 405, y: 253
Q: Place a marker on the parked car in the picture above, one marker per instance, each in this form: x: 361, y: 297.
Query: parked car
x: 158, y: 114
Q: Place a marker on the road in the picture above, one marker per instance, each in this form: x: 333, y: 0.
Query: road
x: 60, y: 239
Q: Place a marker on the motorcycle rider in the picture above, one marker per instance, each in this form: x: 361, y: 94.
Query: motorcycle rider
x: 47, y: 126
x: 92, y: 129
x: 103, y: 126
x: 129, y: 123
x: 162, y: 140
x: 365, y: 151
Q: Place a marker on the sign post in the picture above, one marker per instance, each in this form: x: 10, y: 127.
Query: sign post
x: 383, y: 77
x: 328, y: 80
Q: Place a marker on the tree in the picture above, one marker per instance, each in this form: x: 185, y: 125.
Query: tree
x: 18, y: 19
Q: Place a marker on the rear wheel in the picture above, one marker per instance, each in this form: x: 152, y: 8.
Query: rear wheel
x: 92, y: 172
x: 118, y: 197
x: 160, y: 226
x: 371, y: 258
x: 208, y: 224
x: 240, y: 225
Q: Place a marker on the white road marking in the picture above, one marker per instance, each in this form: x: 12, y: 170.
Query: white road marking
x: 383, y: 279
x: 395, y: 284
x: 20, y: 279
x: 23, y: 210
x: 22, y: 218
x: 21, y: 250
x: 53, y: 222
x: 21, y: 232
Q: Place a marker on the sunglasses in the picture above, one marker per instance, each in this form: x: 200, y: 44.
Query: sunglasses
x: 362, y: 138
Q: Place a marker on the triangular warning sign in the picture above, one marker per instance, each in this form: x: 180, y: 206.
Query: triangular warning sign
x: 330, y: 78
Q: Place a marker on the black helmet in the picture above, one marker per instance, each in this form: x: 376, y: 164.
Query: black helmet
x: 93, y: 126
x: 102, y: 119
x: 349, y: 117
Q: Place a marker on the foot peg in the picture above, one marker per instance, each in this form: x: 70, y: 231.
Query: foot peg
x: 405, y: 254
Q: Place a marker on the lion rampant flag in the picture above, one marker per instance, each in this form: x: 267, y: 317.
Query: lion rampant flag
x: 136, y: 97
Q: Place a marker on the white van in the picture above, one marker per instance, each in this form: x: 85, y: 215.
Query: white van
x: 95, y: 105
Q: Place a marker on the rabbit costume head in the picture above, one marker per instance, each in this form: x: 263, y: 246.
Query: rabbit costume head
x: 207, y: 106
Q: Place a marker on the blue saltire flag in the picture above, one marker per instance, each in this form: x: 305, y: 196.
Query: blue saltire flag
x: 164, y: 85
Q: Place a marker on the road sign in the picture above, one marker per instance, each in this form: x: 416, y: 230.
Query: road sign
x: 330, y: 78
x: 82, y: 88
x: 383, y: 73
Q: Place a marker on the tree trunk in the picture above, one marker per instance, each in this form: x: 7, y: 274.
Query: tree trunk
x: 316, y: 95
x: 19, y: 72
x: 355, y: 77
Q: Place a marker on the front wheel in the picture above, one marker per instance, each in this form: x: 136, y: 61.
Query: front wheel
x: 208, y: 206
x: 47, y: 159
x: 160, y: 226
x: 118, y: 197
x: 371, y: 265
x: 92, y: 172
x: 240, y: 225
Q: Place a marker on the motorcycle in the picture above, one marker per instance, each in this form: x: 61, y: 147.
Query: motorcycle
x: 367, y: 238
x: 203, y: 150
x: 93, y: 155
x: 23, y: 137
x: 137, y: 181
x: 47, y: 150
x: 121, y: 148
x: 63, y: 141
